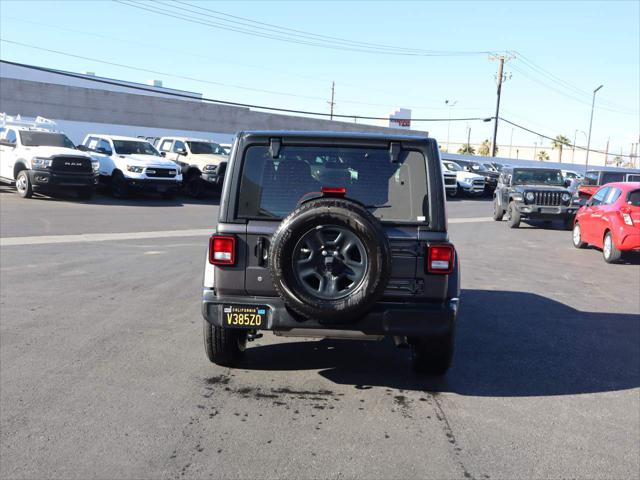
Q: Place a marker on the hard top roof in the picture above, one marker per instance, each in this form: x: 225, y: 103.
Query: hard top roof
x: 398, y: 137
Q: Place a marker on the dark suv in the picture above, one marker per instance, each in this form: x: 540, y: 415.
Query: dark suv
x: 532, y: 194
x: 332, y: 235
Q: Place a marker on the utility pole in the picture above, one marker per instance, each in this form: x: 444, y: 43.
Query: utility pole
x: 606, y: 152
x: 500, y: 79
x: 332, y: 103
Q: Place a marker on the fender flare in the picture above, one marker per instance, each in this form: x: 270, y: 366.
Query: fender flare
x: 21, y: 164
x: 189, y: 171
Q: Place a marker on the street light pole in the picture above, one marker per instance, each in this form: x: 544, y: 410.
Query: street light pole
x: 593, y: 103
x: 575, y: 139
x: 450, y: 105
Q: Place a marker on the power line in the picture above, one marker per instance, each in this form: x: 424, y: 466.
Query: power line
x: 279, y: 71
x: 179, y: 13
x: 156, y: 72
x: 549, y: 75
x: 225, y: 102
x: 305, y: 34
x: 572, y: 95
x: 278, y: 109
x: 551, y: 138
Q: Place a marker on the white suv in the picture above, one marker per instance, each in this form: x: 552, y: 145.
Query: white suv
x: 36, y: 158
x: 128, y: 163
x: 468, y: 182
x: 203, y: 162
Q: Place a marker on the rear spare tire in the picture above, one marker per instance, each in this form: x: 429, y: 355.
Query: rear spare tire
x: 330, y: 260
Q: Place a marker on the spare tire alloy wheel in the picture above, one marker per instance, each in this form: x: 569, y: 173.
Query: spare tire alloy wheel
x: 330, y: 260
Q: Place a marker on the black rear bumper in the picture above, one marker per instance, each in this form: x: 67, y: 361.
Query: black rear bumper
x: 45, y: 179
x: 386, y: 318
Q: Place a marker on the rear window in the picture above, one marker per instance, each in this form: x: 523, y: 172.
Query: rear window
x: 634, y: 198
x: 271, y: 188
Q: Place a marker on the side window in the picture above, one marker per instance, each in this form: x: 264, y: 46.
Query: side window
x: 633, y: 178
x: 91, y: 143
x: 609, y: 177
x: 613, y: 195
x: 178, y: 145
x: 599, y: 196
x: 104, y: 144
x: 166, y: 145
x: 11, y: 136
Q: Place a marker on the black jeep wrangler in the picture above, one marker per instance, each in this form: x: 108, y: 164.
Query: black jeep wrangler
x: 332, y: 235
x: 531, y: 193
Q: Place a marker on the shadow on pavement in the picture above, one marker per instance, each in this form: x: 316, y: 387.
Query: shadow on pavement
x: 508, y: 344
x: 136, y: 199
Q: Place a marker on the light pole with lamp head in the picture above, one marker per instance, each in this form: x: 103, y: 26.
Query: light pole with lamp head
x: 593, y: 102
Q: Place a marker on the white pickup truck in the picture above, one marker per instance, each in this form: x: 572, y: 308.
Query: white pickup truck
x: 129, y: 163
x: 203, y: 162
x: 35, y: 157
x: 468, y: 182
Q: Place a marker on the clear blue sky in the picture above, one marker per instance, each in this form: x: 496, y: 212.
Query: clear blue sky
x: 583, y: 43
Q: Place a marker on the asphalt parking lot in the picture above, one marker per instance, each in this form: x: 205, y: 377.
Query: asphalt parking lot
x: 103, y: 373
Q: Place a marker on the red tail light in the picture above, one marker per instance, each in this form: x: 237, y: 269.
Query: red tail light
x: 338, y: 191
x: 440, y: 258
x: 222, y: 250
x: 626, y: 215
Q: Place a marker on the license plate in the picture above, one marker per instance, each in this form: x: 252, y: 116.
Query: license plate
x: 549, y: 210
x: 244, y: 316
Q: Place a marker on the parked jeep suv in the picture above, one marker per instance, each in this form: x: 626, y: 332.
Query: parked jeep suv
x: 203, y: 162
x: 332, y: 235
x: 40, y: 159
x: 532, y: 194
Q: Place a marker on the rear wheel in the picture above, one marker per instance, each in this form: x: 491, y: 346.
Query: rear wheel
x: 577, y: 236
x: 23, y: 185
x: 513, y: 215
x: 432, y: 355
x: 224, y: 346
x: 609, y: 251
x: 498, y: 211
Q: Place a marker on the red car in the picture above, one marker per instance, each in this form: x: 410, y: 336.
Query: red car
x: 610, y: 220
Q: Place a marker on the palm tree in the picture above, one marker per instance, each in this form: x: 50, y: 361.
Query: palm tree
x: 466, y: 149
x: 485, y: 148
x: 559, y: 142
x: 542, y: 155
